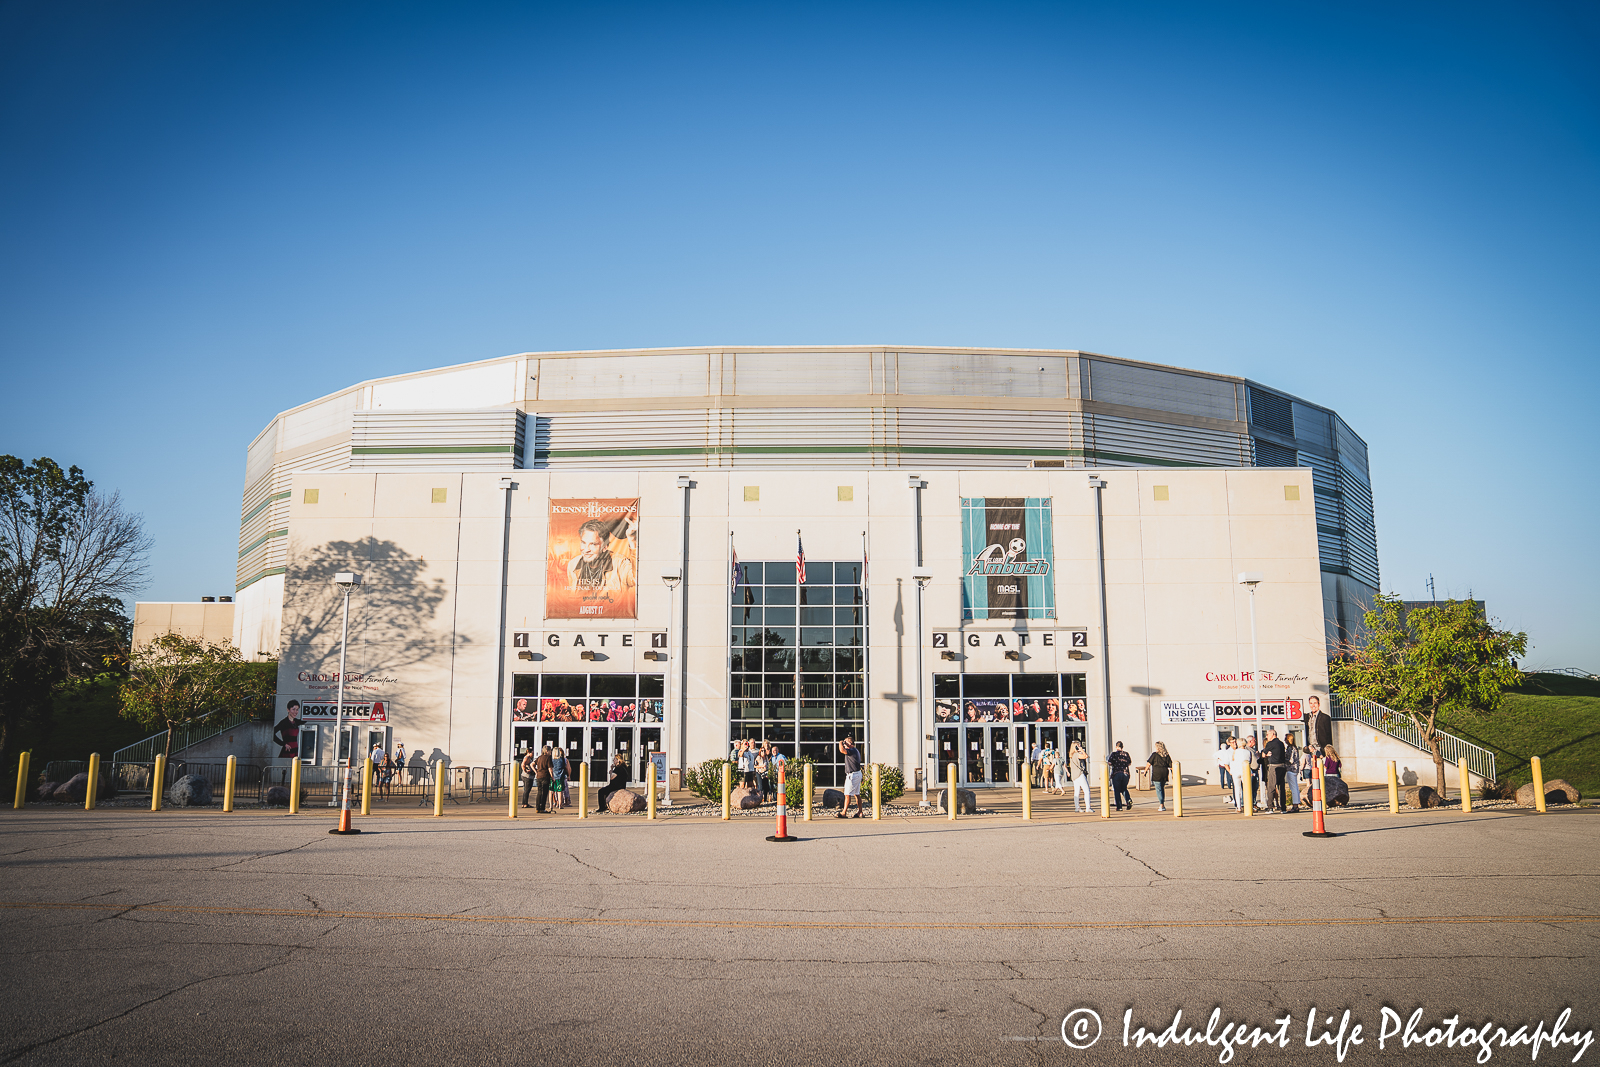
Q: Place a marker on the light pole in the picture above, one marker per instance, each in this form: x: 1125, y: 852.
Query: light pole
x: 1098, y: 484
x: 922, y: 578
x: 671, y: 579
x: 1253, y: 579
x: 346, y: 580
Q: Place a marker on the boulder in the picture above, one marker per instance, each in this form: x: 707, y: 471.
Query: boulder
x: 1422, y: 796
x: 46, y: 790
x: 625, y: 802
x: 73, y: 789
x: 1500, y: 790
x: 1556, y: 791
x: 190, y: 791
x: 1338, y: 793
x: 966, y: 800
x: 278, y: 796
x: 744, y: 797
x: 832, y: 798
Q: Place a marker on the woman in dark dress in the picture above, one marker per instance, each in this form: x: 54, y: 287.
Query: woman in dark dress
x: 619, y: 778
x: 1160, y: 765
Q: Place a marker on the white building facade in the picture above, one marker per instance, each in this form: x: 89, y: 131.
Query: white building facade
x: 513, y: 522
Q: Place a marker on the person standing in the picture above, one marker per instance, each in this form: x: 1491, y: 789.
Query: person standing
x: 1121, y: 763
x: 1275, y: 760
x: 852, y: 777
x: 1291, y: 770
x: 1078, y: 768
x: 528, y: 759
x: 541, y: 778
x: 400, y: 761
x: 1160, y: 765
x: 1224, y: 760
x: 763, y: 764
x: 747, y: 764
x: 558, y: 779
x: 1239, y: 766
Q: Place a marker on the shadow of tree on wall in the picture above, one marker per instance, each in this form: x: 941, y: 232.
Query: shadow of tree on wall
x: 391, y: 611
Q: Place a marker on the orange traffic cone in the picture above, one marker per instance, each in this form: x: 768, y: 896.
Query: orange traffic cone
x: 1317, y: 827
x: 344, y: 810
x: 783, y: 810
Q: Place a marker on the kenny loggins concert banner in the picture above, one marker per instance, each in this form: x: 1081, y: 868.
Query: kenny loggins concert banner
x: 591, y: 570
x: 1008, y: 547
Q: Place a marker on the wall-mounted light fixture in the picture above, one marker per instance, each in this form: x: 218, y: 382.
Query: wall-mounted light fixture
x: 524, y: 654
x: 586, y: 654
x: 1074, y: 653
x: 652, y: 654
x: 1013, y: 654
x: 947, y: 654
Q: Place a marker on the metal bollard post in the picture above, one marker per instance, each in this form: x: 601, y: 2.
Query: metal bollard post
x: 727, y: 791
x: 1249, y: 801
x: 366, y: 786
x: 516, y: 784
x: 583, y: 790
x: 1394, y: 790
x: 89, y: 794
x: 650, y: 801
x: 438, y: 788
x: 952, y: 799
x: 227, y: 783
x: 1177, y: 790
x: 158, y: 782
x: 22, y: 780
x: 294, y: 786
x: 877, y: 791
x: 808, y: 791
x: 1538, y: 786
x: 1105, y: 790
x: 1466, y: 787
x: 1027, y: 794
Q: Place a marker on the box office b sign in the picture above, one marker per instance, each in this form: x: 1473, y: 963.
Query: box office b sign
x: 1290, y: 710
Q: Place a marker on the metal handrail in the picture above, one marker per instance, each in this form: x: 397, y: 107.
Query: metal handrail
x: 183, y: 737
x: 1398, y: 725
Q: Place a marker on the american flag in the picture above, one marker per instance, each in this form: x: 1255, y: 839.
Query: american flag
x: 799, y: 559
x: 734, y: 578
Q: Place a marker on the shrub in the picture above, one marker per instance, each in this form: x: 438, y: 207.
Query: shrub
x: 705, y: 781
x: 890, y: 780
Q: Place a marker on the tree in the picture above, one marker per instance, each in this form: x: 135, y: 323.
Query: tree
x: 1425, y: 661
x: 176, y: 680
x: 68, y: 556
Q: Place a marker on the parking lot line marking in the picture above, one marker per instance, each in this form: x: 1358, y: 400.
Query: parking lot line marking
x: 783, y: 924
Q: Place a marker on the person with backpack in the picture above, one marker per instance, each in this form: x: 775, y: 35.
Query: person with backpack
x: 1121, y: 764
x: 558, y: 780
x: 1078, y: 768
x: 1160, y: 765
x: 1291, y: 763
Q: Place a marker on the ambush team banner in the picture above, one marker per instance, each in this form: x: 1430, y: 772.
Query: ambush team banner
x: 592, y: 566
x: 1008, y: 547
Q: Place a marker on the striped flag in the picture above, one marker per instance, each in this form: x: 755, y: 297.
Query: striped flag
x: 799, y: 559
x: 734, y: 578
x: 863, y: 561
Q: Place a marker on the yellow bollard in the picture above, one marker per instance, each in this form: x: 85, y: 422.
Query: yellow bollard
x: 516, y: 783
x: 727, y: 791
x: 952, y: 799
x: 366, y: 786
x: 1249, y: 787
x: 583, y: 790
x: 1466, y: 787
x: 1105, y: 790
x: 89, y: 796
x: 1538, y: 786
x: 877, y: 791
x: 1177, y: 790
x: 294, y: 787
x: 22, y: 780
x: 1394, y: 790
x: 438, y: 789
x: 158, y: 782
x: 1027, y: 794
x: 650, y: 798
x: 808, y: 789
x: 227, y: 783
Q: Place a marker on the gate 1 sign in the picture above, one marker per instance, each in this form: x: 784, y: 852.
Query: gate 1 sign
x: 1185, y: 711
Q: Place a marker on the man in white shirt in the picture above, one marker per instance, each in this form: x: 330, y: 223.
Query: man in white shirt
x: 1239, y: 765
x: 1224, y: 759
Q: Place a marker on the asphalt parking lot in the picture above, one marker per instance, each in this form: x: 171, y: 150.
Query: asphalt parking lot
x: 180, y: 937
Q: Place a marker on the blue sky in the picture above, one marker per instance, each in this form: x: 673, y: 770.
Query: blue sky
x: 209, y: 213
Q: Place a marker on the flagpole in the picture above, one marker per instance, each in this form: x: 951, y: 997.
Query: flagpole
x: 866, y: 669
x: 733, y: 587
x: 799, y: 556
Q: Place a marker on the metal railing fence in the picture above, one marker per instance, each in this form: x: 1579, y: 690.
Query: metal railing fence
x: 1398, y: 725
x: 183, y: 736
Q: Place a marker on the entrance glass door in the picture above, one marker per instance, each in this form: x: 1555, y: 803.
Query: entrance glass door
x: 947, y: 749
x: 972, y: 741
x: 649, y: 741
x: 599, y: 755
x: 1001, y: 768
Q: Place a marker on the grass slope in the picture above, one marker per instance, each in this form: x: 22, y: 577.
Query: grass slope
x: 1552, y: 716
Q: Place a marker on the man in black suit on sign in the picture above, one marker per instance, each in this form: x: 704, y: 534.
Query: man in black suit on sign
x: 1319, y: 727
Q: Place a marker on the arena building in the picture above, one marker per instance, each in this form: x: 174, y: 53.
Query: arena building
x: 604, y: 550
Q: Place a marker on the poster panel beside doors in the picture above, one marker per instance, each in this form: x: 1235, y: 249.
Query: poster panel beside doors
x: 1008, y: 544
x: 592, y: 566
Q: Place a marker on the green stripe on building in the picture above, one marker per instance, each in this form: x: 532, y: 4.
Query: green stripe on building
x: 258, y: 542
x: 792, y: 450
x: 259, y: 508
x: 435, y: 450
x: 269, y: 572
